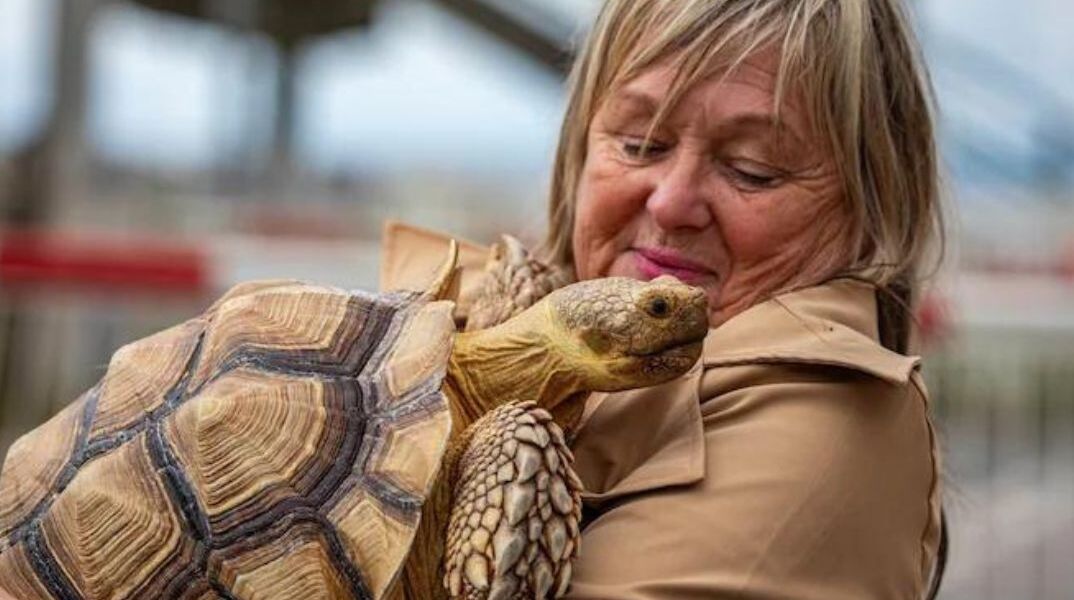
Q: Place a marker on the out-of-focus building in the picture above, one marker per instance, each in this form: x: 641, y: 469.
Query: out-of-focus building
x: 154, y: 152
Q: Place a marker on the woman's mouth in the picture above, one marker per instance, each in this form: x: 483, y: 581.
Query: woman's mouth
x: 654, y: 262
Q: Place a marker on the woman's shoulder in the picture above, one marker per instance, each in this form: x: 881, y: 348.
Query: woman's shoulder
x: 827, y: 332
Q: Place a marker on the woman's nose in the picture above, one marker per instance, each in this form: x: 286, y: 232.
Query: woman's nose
x: 678, y: 198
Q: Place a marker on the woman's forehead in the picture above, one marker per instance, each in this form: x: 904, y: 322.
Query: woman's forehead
x: 743, y: 96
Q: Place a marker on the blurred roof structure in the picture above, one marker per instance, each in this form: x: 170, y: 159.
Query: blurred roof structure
x: 543, y: 35
x: 287, y: 21
x: 527, y: 26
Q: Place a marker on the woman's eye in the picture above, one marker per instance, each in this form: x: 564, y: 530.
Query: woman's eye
x: 640, y: 149
x: 755, y: 177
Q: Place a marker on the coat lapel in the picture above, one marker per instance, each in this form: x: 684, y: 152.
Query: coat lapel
x: 642, y: 440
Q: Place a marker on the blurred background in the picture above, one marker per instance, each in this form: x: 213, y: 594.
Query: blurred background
x: 154, y: 152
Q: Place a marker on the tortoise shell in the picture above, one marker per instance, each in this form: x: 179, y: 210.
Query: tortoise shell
x: 280, y: 445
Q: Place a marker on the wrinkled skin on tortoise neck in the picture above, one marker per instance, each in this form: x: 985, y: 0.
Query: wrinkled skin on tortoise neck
x: 600, y: 335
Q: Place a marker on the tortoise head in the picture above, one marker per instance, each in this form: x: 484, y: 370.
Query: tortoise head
x: 623, y: 333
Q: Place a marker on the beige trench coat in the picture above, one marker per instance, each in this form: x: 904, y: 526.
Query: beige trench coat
x: 796, y: 460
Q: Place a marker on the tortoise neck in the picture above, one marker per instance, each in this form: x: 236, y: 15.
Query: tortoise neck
x: 517, y: 360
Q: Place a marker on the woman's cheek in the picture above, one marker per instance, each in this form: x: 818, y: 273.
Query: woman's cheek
x: 764, y: 226
x: 604, y: 218
x: 590, y: 237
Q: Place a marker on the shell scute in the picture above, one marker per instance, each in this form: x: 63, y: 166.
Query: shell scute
x: 34, y: 463
x: 375, y: 537
x: 300, y: 328
x: 297, y: 566
x: 248, y: 438
x: 114, y: 526
x: 140, y: 376
x: 17, y: 575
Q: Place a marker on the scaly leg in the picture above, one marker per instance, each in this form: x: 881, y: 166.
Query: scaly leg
x: 515, y: 511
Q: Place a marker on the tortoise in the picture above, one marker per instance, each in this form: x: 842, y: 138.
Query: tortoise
x: 513, y: 281
x: 302, y: 441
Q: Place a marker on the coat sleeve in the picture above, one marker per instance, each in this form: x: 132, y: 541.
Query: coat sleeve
x: 820, y: 483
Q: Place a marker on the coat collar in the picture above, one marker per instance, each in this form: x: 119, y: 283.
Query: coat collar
x: 833, y: 324
x: 649, y: 439
x: 410, y: 257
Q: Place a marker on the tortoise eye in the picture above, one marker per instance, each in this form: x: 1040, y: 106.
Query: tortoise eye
x: 659, y: 307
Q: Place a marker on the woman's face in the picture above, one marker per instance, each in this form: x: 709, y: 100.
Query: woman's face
x: 722, y: 199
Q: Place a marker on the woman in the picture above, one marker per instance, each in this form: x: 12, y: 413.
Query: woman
x: 778, y: 154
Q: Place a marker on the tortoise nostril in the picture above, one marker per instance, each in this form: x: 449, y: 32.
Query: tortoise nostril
x: 659, y: 307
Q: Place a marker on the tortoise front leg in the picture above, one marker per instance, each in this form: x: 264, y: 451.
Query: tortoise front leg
x: 515, y: 509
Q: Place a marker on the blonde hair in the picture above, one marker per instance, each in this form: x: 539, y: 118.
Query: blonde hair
x: 854, y: 63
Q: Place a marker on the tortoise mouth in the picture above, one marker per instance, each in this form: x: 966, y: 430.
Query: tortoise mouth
x: 693, y: 347
x: 681, y: 356
x: 663, y: 365
x: 691, y: 342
